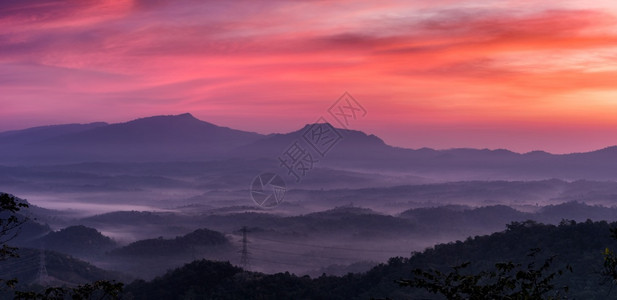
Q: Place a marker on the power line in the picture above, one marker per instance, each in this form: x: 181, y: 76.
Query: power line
x: 305, y: 254
x: 30, y: 269
x: 19, y: 261
x: 42, y: 277
x: 283, y: 263
x: 332, y: 247
x: 244, y: 257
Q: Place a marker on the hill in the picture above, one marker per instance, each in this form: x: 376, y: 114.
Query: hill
x: 578, y: 244
x: 80, y: 241
x: 172, y: 247
x: 62, y: 269
x: 150, y: 257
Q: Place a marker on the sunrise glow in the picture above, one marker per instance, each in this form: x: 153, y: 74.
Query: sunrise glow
x: 441, y: 74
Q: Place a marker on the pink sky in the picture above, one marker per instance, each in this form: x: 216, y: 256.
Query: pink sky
x: 484, y: 74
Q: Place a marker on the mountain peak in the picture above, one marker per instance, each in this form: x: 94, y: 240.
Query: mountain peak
x: 180, y: 117
x: 185, y: 115
x: 318, y: 123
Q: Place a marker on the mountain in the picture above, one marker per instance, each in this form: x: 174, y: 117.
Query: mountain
x: 159, y: 138
x: 42, y: 133
x: 327, y: 140
x: 356, y: 150
x: 185, y: 138
x: 161, y: 131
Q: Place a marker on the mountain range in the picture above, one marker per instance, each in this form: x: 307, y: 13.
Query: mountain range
x: 186, y: 138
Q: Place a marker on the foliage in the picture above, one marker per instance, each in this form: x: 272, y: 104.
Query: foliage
x: 610, y: 261
x: 9, y: 223
x: 101, y: 290
x: 199, y: 277
x: 508, y: 280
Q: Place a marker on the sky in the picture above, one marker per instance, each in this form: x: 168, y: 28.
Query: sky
x: 521, y: 75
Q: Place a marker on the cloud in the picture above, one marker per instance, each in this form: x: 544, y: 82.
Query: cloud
x: 247, y: 60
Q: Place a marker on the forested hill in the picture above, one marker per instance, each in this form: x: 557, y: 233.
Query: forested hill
x: 580, y: 245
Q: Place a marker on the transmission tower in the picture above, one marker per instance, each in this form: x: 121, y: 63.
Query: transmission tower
x: 42, y: 277
x: 244, y: 253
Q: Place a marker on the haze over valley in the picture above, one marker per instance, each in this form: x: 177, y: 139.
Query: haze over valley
x: 142, y: 197
x: 308, y: 149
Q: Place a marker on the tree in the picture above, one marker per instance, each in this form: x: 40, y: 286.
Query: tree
x: 10, y: 222
x: 610, y: 261
x: 101, y: 290
x: 507, y: 281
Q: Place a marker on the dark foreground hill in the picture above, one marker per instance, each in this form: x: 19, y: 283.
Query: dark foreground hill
x: 579, y: 245
x: 61, y: 269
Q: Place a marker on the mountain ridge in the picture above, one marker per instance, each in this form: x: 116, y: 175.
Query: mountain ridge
x: 188, y: 117
x: 183, y: 137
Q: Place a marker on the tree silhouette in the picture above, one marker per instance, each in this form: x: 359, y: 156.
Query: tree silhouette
x: 507, y: 281
x: 10, y: 222
x: 610, y: 262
